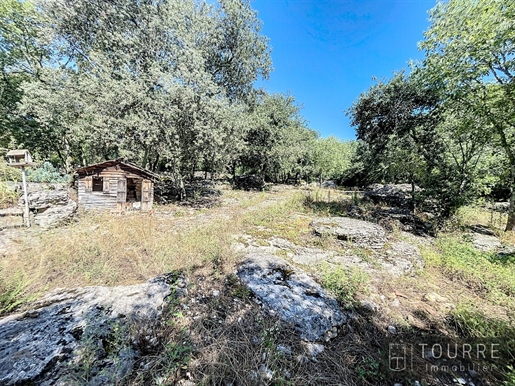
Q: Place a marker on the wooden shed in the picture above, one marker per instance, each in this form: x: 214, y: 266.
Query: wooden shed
x: 116, y: 185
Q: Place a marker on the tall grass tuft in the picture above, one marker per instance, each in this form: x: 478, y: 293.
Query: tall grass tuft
x: 12, y: 291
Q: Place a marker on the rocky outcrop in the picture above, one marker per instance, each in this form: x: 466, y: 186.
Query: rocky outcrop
x: 292, y: 295
x: 328, y: 184
x: 50, y: 207
x: 69, y: 333
x: 364, y: 234
x: 11, y: 218
x: 397, y: 259
x: 392, y: 194
x: 486, y: 243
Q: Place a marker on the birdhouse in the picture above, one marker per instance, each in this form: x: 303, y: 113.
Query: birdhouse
x: 19, y: 158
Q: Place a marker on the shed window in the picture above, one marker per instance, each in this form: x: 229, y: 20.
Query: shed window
x: 98, y: 184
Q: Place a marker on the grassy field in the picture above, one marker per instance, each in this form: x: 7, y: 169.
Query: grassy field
x: 462, y: 295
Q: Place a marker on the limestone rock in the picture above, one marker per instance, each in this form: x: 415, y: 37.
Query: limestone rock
x: 392, y: 194
x: 45, y: 199
x: 292, y: 295
x: 486, y: 243
x: 403, y: 258
x: 328, y: 185
x: 433, y: 297
x: 362, y: 233
x: 55, y: 215
x: 47, y: 344
x: 50, y: 207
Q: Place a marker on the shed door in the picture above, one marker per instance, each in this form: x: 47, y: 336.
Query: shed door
x: 146, y: 195
x: 121, y: 197
x: 88, y: 184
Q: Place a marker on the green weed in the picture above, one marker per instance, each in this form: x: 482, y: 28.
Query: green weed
x: 485, y: 273
x: 108, y: 340
x: 473, y: 325
x: 369, y: 369
x: 12, y: 291
x: 344, y: 282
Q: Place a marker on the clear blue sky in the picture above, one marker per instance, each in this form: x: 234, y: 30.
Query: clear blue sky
x: 325, y: 52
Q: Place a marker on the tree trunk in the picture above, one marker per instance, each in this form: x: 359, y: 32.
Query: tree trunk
x: 233, y: 170
x: 510, y: 224
x: 413, y: 202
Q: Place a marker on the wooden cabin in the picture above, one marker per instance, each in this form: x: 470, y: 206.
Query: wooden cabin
x: 116, y: 185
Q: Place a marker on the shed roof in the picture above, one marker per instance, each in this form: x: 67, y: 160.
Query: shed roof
x: 102, y: 165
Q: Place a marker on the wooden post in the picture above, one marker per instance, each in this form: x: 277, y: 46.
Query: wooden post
x: 121, y: 197
x: 26, y: 213
x: 146, y: 195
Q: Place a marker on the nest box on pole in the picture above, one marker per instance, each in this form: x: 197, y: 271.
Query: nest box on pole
x: 21, y: 159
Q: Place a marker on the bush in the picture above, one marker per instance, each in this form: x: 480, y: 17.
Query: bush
x: 47, y: 173
x: 8, y: 173
x: 8, y: 197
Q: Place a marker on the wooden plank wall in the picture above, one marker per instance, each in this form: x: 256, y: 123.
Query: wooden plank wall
x: 98, y: 200
x: 108, y: 198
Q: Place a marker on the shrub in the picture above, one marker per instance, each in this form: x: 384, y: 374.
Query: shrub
x: 344, y: 282
x: 47, y: 173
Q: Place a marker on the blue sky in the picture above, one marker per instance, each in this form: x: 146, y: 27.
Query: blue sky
x: 325, y: 53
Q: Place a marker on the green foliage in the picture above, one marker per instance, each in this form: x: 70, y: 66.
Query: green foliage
x: 278, y: 144
x: 469, y: 62
x: 7, y: 196
x: 485, y: 273
x: 164, y: 84
x: 369, y: 369
x: 8, y: 173
x: 332, y: 158
x: 109, y: 340
x: 12, y: 291
x: 20, y: 61
x: 411, y: 135
x: 176, y: 355
x: 46, y: 173
x: 449, y: 126
x: 474, y: 325
x: 510, y: 381
x: 343, y: 282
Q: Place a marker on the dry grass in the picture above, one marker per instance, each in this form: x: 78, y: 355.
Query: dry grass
x: 107, y: 249
x: 477, y: 215
x: 111, y: 250
x: 226, y: 339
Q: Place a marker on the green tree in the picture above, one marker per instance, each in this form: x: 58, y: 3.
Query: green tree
x: 277, y: 141
x: 470, y: 59
x: 163, y: 84
x: 21, y: 59
x: 414, y: 137
x: 332, y: 158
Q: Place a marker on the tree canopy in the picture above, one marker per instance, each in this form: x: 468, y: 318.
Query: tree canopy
x: 449, y: 125
x: 169, y: 85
